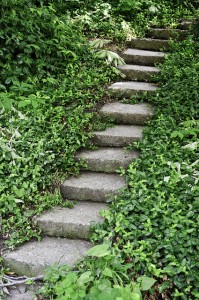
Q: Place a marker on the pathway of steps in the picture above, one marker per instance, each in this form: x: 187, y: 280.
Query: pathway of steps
x: 67, y: 230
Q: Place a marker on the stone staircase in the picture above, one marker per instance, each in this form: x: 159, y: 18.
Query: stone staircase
x: 66, y: 230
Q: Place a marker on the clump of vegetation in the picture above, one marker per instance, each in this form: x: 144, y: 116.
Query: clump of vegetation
x: 51, y: 80
x: 154, y: 224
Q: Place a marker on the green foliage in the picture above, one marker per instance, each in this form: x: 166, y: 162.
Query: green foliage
x: 195, y: 29
x: 103, y: 279
x: 51, y: 81
x: 154, y: 224
x: 24, y: 28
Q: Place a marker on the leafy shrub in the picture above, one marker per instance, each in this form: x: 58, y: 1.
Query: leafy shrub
x: 34, y: 41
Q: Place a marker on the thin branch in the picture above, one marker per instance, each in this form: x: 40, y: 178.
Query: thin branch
x: 17, y: 282
x: 10, y: 278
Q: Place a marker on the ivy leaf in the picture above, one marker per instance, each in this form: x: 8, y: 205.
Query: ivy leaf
x: 99, y: 251
x: 146, y: 282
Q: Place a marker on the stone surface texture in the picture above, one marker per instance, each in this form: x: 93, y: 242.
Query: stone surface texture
x: 130, y: 88
x: 118, y: 136
x: 71, y: 222
x: 149, y: 44
x: 137, y: 114
x: 32, y: 258
x: 92, y: 186
x: 185, y: 25
x: 167, y: 33
x: 138, y: 73
x: 21, y: 296
x: 107, y: 159
x: 143, y: 57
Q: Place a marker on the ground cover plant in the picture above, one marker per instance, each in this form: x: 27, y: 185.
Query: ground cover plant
x: 51, y: 80
x: 151, y: 230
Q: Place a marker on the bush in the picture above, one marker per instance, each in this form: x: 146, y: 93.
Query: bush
x: 34, y: 41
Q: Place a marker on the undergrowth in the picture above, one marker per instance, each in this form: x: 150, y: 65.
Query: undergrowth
x: 51, y: 80
x: 151, y: 230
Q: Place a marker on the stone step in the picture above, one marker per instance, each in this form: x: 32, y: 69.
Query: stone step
x: 91, y: 186
x: 143, y: 57
x: 149, y: 44
x: 31, y: 259
x: 107, y: 159
x: 138, y: 73
x: 118, y: 136
x: 185, y: 25
x: 134, y: 114
x: 130, y: 88
x: 71, y: 222
x: 167, y: 33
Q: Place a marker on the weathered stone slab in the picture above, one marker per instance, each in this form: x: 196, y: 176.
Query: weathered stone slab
x: 92, y: 186
x: 118, y: 136
x: 130, y: 88
x: 143, y: 57
x: 32, y: 258
x: 185, y: 25
x: 71, y: 222
x: 149, y: 44
x: 167, y: 33
x: 134, y: 114
x: 138, y: 73
x: 22, y: 296
x: 107, y: 159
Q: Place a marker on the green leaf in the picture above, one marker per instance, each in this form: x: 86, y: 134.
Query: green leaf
x: 107, y: 272
x: 136, y: 296
x: 146, y: 282
x: 7, y: 103
x: 85, y: 278
x: 99, y: 251
x: 24, y: 103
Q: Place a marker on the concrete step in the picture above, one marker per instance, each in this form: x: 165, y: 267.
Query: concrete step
x: 167, y: 33
x: 118, y: 136
x: 31, y: 259
x: 149, y: 44
x: 134, y: 114
x: 71, y: 222
x: 130, y: 88
x: 143, y: 57
x: 91, y: 186
x: 185, y: 25
x: 107, y: 159
x: 138, y: 73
